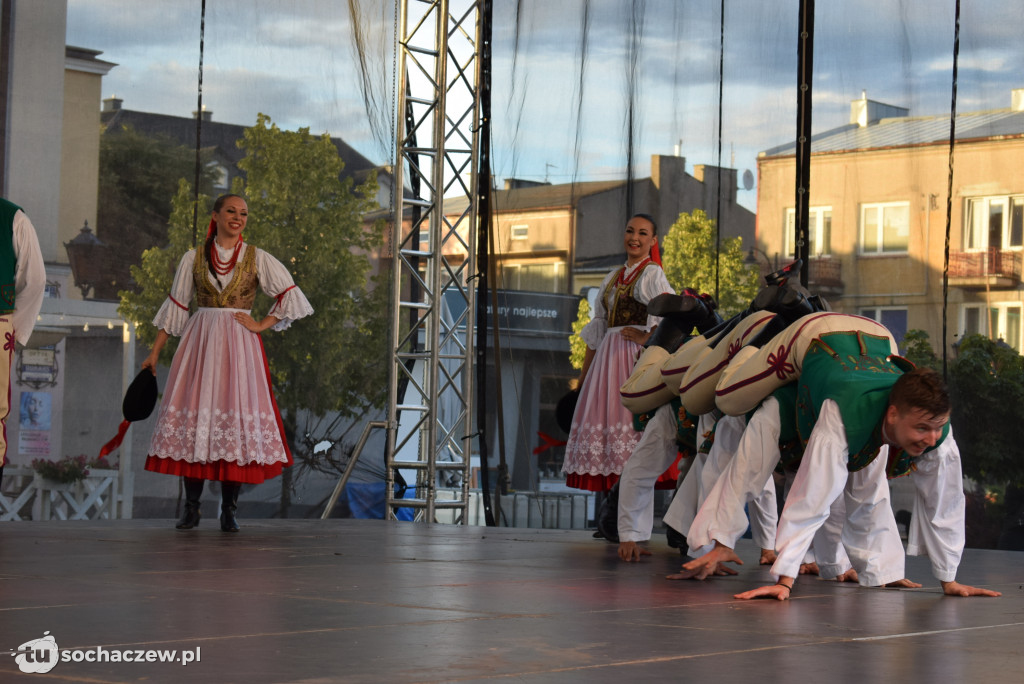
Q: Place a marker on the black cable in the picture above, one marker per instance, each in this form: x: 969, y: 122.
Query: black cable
x: 721, y: 89
x: 199, y: 124
x: 949, y: 190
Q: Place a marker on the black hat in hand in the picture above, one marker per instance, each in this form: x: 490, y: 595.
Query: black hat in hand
x: 140, y: 399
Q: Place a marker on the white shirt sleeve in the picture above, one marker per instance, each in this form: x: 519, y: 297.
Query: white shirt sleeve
x: 595, y: 329
x: 652, y: 283
x: 937, y: 523
x: 29, y: 277
x: 173, y: 314
x: 276, y: 281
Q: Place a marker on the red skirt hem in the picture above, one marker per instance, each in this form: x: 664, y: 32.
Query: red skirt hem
x: 603, y: 483
x: 218, y: 471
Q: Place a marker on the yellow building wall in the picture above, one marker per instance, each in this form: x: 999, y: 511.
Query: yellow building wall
x: 918, y: 176
x: 80, y: 151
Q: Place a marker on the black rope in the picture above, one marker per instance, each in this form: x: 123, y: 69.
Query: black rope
x: 636, y: 28
x: 484, y: 214
x: 199, y: 124
x: 721, y: 89
x: 949, y: 190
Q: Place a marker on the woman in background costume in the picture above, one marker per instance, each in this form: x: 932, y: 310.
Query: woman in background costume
x: 602, y: 436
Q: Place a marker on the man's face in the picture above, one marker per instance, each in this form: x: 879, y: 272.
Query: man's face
x: 914, y: 430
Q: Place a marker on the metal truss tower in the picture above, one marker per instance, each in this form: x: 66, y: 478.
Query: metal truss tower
x: 429, y: 423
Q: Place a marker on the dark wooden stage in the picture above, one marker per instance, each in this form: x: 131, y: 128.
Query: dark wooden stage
x: 372, y: 601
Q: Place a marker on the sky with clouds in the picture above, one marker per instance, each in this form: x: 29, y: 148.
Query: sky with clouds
x: 556, y: 115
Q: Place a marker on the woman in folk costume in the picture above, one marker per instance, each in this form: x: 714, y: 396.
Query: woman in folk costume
x: 218, y: 420
x: 602, y: 436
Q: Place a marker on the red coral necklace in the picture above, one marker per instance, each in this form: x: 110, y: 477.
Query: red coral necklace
x: 225, y: 267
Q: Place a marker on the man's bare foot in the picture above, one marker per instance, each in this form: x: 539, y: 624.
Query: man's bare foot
x: 848, y: 576
x: 768, y: 557
x: 631, y: 551
x: 711, y: 563
x: 902, y: 584
x: 808, y: 568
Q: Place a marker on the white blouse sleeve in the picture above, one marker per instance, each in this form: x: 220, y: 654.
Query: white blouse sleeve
x: 277, y: 282
x: 594, y: 331
x: 29, y: 277
x: 173, y: 314
x: 937, y: 523
x: 652, y: 283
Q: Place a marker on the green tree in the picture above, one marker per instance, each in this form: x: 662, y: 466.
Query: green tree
x: 303, y: 213
x: 987, y: 390
x: 155, y: 274
x: 918, y: 350
x: 138, y: 178
x: 577, y: 347
x: 689, y: 260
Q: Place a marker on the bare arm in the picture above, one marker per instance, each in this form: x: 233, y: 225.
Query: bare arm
x: 251, y: 323
x: 154, y: 354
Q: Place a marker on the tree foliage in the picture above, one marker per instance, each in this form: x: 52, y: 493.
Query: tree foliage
x: 303, y: 213
x: 138, y: 179
x: 577, y: 347
x: 986, y: 382
x: 155, y: 273
x: 689, y: 260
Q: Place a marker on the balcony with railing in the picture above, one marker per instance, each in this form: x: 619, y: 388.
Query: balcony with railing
x: 992, y: 268
x: 825, y: 276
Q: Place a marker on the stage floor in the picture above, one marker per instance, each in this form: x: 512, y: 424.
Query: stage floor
x: 372, y: 601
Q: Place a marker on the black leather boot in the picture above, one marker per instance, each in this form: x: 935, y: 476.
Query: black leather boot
x: 228, y: 506
x: 190, y: 517
x: 608, y: 516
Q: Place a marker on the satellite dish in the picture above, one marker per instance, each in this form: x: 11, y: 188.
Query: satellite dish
x: 748, y: 180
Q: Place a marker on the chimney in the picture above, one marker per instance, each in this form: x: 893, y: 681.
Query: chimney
x: 207, y: 114
x: 112, y: 104
x: 1017, y: 99
x: 865, y: 112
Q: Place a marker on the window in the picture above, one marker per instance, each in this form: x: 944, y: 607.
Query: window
x: 893, y: 318
x: 533, y: 277
x: 220, y: 173
x: 819, y: 231
x: 994, y: 223
x: 972, y: 321
x: 1004, y: 323
x: 997, y: 322
x: 520, y: 231
x: 885, y: 228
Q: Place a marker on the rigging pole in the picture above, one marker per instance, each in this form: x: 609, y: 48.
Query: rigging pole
x: 429, y: 424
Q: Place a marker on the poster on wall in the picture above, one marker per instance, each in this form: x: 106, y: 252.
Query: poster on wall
x: 37, y: 395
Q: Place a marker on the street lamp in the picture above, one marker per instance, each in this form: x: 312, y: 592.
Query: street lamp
x: 84, y: 256
x: 752, y: 259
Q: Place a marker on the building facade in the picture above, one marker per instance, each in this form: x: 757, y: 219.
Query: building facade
x: 878, y: 215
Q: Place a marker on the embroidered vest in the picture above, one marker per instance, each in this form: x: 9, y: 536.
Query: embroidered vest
x: 856, y: 371
x: 625, y: 310
x: 8, y: 262
x: 240, y: 293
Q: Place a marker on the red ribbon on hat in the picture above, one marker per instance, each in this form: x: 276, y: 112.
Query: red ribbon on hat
x: 116, y: 442
x: 656, y: 254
